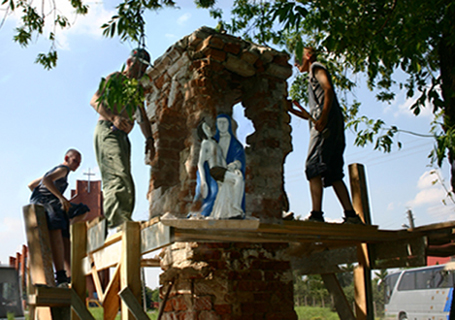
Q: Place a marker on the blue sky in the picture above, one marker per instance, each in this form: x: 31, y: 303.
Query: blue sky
x: 47, y: 112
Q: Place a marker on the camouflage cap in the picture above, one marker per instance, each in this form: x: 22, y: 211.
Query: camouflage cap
x: 141, y: 55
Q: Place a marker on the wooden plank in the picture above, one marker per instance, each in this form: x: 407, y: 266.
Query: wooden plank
x: 78, y: 252
x: 212, y: 224
x: 50, y: 296
x: 351, y: 237
x: 130, y: 267
x: 104, y: 258
x: 155, y: 237
x: 78, y: 307
x: 440, y: 237
x: 403, y: 253
x: 43, y: 313
x: 96, y: 235
x: 324, y: 262
x: 148, y: 223
x: 341, y: 303
x: 435, y: 226
x: 360, y: 202
x: 96, y: 280
x: 151, y: 262
x: 362, y: 273
x: 133, y: 305
x: 360, y: 293
x: 61, y: 313
x: 441, y: 251
x: 40, y: 254
x: 111, y: 302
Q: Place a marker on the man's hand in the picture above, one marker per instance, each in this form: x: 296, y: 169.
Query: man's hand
x: 122, y: 123
x: 320, y: 124
x: 300, y: 111
x: 65, y: 204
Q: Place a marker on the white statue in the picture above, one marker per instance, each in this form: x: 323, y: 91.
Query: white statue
x: 221, y: 185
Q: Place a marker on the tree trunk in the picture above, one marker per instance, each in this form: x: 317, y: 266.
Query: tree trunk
x: 446, y: 51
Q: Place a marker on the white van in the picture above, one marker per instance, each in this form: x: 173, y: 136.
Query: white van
x: 420, y: 293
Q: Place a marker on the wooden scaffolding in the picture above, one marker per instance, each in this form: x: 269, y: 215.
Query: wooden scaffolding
x: 313, y: 248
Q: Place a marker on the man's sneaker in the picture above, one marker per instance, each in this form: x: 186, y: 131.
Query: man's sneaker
x: 353, y: 220
x: 315, y: 219
x: 316, y: 216
x: 64, y: 285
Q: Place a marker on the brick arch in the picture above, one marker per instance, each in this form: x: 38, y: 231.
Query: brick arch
x: 204, y: 74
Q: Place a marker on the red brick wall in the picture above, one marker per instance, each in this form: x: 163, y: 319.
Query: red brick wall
x: 228, y: 281
x: 93, y: 199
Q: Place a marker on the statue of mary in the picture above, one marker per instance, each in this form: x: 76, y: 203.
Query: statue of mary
x: 221, y: 184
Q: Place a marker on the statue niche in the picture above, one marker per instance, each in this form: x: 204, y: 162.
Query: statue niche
x: 221, y: 172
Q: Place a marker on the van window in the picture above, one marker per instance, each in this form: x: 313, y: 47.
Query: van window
x: 426, y: 279
x: 407, y: 281
x: 443, y: 279
x: 390, y: 282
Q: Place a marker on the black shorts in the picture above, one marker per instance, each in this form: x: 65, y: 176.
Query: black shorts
x: 56, y: 217
x: 325, y: 154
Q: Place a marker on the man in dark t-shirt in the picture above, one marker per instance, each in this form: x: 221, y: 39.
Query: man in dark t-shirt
x: 48, y: 192
x: 324, y: 164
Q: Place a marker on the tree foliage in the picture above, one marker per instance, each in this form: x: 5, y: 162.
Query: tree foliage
x: 43, y: 18
x: 373, y: 38
x: 33, y: 21
x: 121, y: 93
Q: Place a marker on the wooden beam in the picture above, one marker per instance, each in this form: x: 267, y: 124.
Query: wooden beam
x: 106, y: 257
x: 96, y: 234
x: 403, y: 253
x: 155, y: 237
x: 441, y: 251
x: 96, y: 280
x: 341, y: 303
x: 39, y: 246
x: 133, y: 305
x: 50, y: 296
x: 78, y: 307
x: 324, y: 262
x: 111, y: 302
x: 362, y: 273
x: 212, y: 224
x: 78, y: 252
x: 150, y: 262
x: 130, y: 268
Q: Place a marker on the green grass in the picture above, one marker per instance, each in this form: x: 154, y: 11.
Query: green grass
x: 98, y: 314
x: 315, y: 313
x: 304, y: 313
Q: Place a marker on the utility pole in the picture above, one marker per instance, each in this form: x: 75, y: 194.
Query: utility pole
x: 410, y: 218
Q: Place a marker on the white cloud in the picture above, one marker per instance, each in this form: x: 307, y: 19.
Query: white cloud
x: 427, y: 196
x: 432, y: 197
x: 184, y: 18
x: 402, y: 106
x: 89, y: 24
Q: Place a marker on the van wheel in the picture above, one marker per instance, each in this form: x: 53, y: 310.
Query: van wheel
x: 403, y: 316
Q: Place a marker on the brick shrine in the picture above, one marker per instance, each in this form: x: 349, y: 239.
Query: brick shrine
x: 200, y: 76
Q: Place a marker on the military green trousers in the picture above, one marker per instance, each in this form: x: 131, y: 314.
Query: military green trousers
x: 113, y: 153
